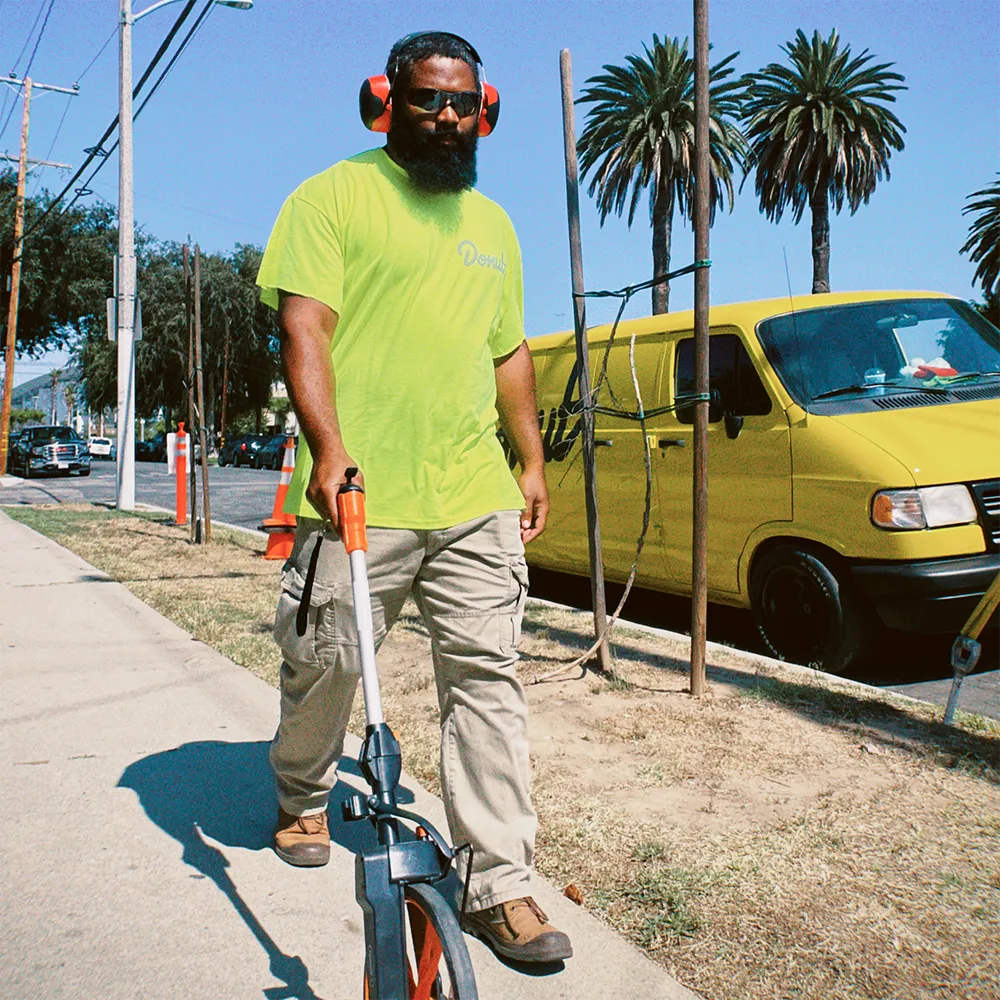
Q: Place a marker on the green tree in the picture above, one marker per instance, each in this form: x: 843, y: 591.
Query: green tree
x: 66, y: 268
x: 990, y: 307
x: 230, y: 310
x: 820, y: 134
x: 639, y: 136
x: 983, y: 246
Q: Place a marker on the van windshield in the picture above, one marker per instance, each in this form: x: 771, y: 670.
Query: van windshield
x: 859, y: 351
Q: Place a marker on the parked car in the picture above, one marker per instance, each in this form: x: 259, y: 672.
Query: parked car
x: 241, y: 450
x: 272, y: 454
x: 153, y: 450
x: 102, y: 447
x: 56, y: 450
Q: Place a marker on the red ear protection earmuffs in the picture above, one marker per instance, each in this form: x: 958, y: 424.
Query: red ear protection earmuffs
x: 375, y: 99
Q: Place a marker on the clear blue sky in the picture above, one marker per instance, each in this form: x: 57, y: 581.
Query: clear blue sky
x: 265, y: 98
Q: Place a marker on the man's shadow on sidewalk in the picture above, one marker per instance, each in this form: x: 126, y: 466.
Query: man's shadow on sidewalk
x: 225, y: 791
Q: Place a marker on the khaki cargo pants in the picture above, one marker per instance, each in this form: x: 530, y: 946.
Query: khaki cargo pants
x: 469, y: 583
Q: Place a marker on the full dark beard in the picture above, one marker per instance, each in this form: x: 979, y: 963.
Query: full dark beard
x: 433, y: 167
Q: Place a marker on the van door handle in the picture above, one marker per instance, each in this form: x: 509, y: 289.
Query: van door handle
x: 672, y: 443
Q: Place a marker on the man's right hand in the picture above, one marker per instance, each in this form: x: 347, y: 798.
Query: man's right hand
x: 328, y: 475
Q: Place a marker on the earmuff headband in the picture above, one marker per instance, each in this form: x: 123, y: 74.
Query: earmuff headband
x: 375, y: 98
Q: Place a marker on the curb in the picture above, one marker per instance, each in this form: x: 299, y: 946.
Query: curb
x: 221, y: 524
x: 755, y: 659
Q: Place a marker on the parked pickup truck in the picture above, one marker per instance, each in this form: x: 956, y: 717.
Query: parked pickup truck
x: 49, y: 450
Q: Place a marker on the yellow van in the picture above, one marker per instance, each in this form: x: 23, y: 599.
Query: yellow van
x: 854, y: 463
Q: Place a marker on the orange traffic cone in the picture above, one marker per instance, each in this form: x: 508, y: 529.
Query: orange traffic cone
x: 280, y: 527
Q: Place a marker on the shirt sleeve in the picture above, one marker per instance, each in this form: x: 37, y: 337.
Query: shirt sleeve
x: 304, y: 256
x: 509, y: 331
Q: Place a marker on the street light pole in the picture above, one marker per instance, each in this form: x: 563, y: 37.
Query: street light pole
x: 126, y: 269
x: 126, y: 250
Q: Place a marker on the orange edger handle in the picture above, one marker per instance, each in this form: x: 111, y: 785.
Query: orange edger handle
x: 351, y: 511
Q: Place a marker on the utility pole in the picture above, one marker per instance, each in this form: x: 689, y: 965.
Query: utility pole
x: 54, y: 409
x: 126, y: 268
x: 201, y: 393
x: 583, y: 364
x: 189, y: 320
x: 10, y: 347
x: 702, y: 209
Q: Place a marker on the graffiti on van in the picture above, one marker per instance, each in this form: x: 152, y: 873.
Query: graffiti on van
x: 558, y: 435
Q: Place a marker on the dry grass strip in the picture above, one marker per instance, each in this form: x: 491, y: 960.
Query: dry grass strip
x: 784, y: 838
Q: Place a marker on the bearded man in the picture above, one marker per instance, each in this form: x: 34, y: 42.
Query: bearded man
x: 399, y: 297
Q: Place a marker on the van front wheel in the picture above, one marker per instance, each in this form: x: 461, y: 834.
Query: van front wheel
x: 806, y: 610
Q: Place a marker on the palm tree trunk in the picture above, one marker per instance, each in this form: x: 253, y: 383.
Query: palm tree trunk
x: 663, y: 212
x: 820, y: 205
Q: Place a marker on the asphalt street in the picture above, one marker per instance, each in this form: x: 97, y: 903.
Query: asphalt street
x: 242, y: 496
x: 918, y: 666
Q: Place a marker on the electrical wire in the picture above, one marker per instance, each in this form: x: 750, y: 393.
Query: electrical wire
x: 13, y: 69
x: 98, y: 150
x: 27, y: 40
x: 100, y: 51
x: 641, y: 415
x: 85, y: 189
x: 31, y: 59
x: 69, y: 102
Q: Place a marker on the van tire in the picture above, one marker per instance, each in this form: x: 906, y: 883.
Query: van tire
x: 806, y: 610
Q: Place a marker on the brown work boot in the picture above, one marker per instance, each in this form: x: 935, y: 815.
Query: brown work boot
x: 520, y: 930
x: 303, y: 841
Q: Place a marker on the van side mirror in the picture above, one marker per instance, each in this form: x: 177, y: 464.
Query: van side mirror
x: 734, y: 424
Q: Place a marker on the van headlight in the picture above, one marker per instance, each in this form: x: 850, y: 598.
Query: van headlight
x: 928, y: 507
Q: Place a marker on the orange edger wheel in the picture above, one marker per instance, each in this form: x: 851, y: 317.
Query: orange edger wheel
x: 438, y: 964
x: 438, y: 960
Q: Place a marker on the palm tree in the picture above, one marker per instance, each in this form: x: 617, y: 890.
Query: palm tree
x: 819, y: 134
x: 640, y: 134
x: 983, y: 244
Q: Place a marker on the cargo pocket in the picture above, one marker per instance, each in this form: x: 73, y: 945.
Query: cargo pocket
x: 510, y: 623
x: 337, y: 630
x: 298, y: 649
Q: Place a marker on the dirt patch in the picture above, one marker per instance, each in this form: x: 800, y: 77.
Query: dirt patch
x: 786, y: 836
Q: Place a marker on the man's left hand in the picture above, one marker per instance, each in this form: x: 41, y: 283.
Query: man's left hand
x: 536, y: 503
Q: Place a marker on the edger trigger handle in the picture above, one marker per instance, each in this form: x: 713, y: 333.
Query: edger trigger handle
x: 351, y: 510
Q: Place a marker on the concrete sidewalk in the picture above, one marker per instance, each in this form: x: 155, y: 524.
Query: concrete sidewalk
x: 137, y: 814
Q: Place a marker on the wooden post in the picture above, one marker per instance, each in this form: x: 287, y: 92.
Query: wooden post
x: 200, y: 385
x: 10, y: 348
x: 225, y: 382
x: 702, y: 208
x: 583, y: 361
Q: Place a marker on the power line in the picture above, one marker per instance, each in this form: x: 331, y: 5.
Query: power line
x: 114, y: 31
x: 24, y: 48
x: 85, y: 188
x: 80, y: 76
x: 98, y: 150
x: 27, y: 69
x: 209, y: 7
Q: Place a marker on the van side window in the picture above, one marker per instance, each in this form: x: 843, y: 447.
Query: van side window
x: 731, y: 374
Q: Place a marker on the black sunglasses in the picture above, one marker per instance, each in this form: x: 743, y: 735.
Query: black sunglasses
x: 465, y: 102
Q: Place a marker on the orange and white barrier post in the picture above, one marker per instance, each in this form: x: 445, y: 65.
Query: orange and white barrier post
x: 280, y: 527
x: 180, y: 468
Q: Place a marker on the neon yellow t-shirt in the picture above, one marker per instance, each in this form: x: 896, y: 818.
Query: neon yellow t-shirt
x: 428, y: 291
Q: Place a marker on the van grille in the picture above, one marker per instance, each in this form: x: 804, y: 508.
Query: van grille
x: 987, y: 497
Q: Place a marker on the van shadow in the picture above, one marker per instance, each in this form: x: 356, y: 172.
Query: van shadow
x: 224, y: 792
x: 881, y: 723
